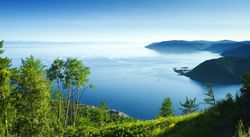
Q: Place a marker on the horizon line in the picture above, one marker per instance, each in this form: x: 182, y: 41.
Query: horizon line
x: 45, y: 41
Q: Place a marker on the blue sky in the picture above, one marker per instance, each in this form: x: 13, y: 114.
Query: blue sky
x: 124, y: 20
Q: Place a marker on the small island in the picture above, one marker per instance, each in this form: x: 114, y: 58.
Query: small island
x: 182, y: 70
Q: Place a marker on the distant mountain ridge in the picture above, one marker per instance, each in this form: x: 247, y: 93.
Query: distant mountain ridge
x: 222, y: 47
x: 178, y: 45
x: 199, y: 45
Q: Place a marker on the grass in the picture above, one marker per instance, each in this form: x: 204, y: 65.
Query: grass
x: 139, y: 128
x: 218, y: 121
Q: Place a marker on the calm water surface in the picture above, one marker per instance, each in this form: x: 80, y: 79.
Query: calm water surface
x: 129, y: 77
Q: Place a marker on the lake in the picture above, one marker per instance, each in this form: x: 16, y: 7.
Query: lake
x: 129, y: 77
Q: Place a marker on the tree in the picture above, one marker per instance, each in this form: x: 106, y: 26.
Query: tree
x: 55, y: 73
x: 245, y: 90
x: 70, y: 72
x: 166, y: 108
x: 189, y: 106
x: 80, y: 80
x: 76, y: 77
x: 90, y: 86
x: 1, y: 46
x: 245, y: 79
x: 229, y: 98
x: 5, y: 91
x: 32, y: 99
x: 104, y: 105
x: 210, y: 96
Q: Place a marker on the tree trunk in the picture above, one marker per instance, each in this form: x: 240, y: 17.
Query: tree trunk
x: 72, y: 107
x: 59, y: 105
x: 77, y: 105
x: 6, y: 124
x: 68, y: 107
x: 5, y: 118
x: 213, y: 99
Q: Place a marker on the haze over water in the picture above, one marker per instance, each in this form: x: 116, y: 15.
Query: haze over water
x: 129, y: 77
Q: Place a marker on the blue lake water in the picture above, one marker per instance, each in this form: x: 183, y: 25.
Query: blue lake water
x: 129, y: 77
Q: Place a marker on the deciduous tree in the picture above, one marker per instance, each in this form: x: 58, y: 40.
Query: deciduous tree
x: 56, y: 73
x: 32, y: 99
x: 5, y: 91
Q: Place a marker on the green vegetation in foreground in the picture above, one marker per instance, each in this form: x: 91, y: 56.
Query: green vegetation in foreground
x: 221, y: 70
x: 27, y: 110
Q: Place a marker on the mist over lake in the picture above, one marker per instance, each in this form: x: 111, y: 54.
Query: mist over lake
x: 129, y: 77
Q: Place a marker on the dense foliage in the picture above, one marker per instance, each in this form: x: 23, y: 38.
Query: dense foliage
x: 27, y: 108
x: 6, y: 107
x: 32, y: 100
x: 241, y: 131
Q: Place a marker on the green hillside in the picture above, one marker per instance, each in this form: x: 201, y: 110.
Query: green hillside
x: 221, y: 70
x: 137, y: 128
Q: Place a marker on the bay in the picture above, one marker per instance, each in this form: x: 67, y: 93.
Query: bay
x: 128, y: 76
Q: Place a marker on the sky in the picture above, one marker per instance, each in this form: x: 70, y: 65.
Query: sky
x: 124, y: 20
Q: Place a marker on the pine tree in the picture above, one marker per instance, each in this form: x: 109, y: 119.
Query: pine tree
x: 189, y: 106
x: 245, y: 90
x: 245, y: 79
x: 32, y: 99
x: 210, y: 96
x: 166, y: 108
